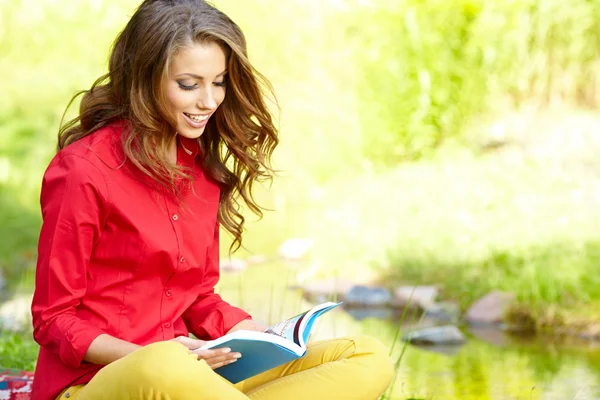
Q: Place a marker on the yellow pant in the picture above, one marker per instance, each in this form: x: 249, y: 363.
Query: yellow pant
x: 348, y: 368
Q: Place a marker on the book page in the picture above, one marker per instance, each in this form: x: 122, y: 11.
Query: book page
x: 287, y: 327
x: 297, y: 329
x: 290, y: 334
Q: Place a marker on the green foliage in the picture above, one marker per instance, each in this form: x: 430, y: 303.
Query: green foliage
x: 361, y: 85
x: 20, y: 154
x: 506, y: 220
x: 428, y: 67
x: 17, y: 351
x: 541, y: 276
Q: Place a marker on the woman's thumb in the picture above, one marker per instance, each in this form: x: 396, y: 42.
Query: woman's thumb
x: 190, y: 343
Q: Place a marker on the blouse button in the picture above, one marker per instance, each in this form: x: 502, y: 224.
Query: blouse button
x: 182, y: 260
x: 167, y: 325
x: 168, y: 293
x: 175, y: 217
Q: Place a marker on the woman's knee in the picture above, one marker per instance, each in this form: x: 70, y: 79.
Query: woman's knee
x: 374, y: 353
x: 163, y: 364
x: 161, y: 352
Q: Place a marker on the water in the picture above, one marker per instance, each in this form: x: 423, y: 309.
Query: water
x: 491, y: 366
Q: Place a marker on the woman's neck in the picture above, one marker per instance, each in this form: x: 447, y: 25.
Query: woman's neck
x: 172, y: 153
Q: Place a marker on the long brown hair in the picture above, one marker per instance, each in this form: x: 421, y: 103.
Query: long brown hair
x: 238, y: 140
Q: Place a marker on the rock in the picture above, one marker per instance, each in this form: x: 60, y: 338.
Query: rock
x: 420, y: 296
x: 443, y: 311
x: 9, y: 323
x: 439, y: 335
x: 444, y: 349
x: 326, y: 289
x: 591, y: 332
x: 491, y: 335
x: 416, y: 322
x: 233, y: 265
x: 490, y: 309
x: 413, y: 324
x: 384, y: 313
x: 295, y: 249
x: 363, y: 296
x: 15, y: 315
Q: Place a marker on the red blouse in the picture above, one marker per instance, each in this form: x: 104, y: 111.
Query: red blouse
x: 117, y: 256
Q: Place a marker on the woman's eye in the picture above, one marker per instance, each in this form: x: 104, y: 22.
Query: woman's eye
x: 220, y: 84
x: 186, y: 87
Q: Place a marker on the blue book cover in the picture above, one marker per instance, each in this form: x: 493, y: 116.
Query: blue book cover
x: 262, y: 351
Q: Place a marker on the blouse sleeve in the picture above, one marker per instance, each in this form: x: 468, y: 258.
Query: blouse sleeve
x: 210, y: 317
x: 74, y: 207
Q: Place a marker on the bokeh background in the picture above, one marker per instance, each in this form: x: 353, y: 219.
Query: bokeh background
x: 444, y: 142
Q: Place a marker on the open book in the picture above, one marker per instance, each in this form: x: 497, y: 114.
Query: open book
x: 262, y: 351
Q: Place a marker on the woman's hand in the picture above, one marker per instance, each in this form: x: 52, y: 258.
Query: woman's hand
x: 214, y: 358
x: 249, y: 325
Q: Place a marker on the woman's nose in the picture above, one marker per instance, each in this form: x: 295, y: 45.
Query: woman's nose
x: 207, y: 100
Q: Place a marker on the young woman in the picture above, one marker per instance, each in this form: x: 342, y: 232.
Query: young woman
x: 132, y: 204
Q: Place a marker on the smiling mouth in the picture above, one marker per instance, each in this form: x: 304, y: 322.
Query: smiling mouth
x: 197, y: 117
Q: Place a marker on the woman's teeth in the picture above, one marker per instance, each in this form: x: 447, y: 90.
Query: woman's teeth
x: 197, y: 118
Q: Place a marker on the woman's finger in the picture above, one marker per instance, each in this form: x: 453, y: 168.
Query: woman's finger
x: 188, y: 342
x: 214, y: 358
x: 221, y: 360
x: 222, y: 363
x: 211, y: 353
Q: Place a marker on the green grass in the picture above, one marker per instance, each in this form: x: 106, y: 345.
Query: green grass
x: 476, y: 370
x: 429, y: 66
x: 17, y: 351
x: 521, y: 218
x: 385, y: 162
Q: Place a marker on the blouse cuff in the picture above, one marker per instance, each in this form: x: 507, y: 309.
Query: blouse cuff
x: 76, y: 342
x: 220, y: 321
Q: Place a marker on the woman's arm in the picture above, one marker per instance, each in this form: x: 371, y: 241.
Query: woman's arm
x: 249, y: 325
x: 75, y: 204
x: 105, y: 349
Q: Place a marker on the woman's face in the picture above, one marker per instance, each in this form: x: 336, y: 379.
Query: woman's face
x: 195, y: 87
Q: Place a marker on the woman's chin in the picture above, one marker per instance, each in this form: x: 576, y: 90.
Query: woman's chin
x: 190, y: 133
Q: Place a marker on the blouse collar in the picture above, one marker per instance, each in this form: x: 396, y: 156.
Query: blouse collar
x: 189, y: 147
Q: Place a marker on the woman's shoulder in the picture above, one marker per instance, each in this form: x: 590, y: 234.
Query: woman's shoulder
x: 101, y: 148
x: 86, y: 163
